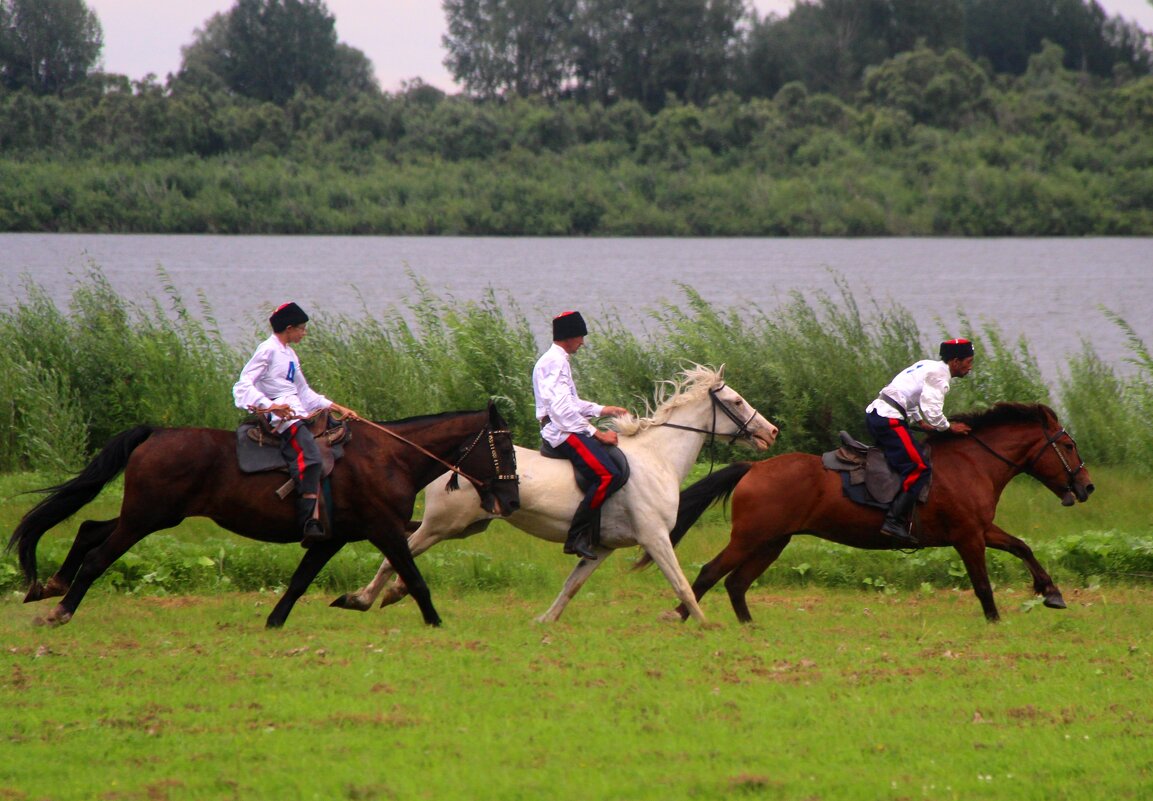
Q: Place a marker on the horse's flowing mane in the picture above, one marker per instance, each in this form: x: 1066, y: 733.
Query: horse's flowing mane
x: 1005, y: 413
x: 689, y: 386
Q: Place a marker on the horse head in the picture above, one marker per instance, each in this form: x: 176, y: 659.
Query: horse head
x: 702, y: 402
x: 1031, y: 440
x: 1058, y: 465
x: 490, y: 461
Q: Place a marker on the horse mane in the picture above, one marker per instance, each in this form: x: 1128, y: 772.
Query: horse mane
x: 690, y: 385
x: 420, y: 418
x: 1005, y: 413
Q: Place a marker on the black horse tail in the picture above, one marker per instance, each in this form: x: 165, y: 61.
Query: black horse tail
x: 66, y: 499
x: 695, y: 499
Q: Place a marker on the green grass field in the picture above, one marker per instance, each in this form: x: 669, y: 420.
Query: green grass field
x: 865, y: 676
x: 833, y: 694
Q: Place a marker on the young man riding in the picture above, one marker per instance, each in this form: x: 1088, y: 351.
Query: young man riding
x: 915, y: 394
x: 272, y: 384
x: 565, y: 425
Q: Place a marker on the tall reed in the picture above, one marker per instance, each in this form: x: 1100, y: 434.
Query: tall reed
x: 69, y: 380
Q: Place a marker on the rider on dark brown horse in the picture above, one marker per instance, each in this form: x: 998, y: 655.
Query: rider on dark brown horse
x: 273, y: 384
x: 565, y: 425
x: 916, y: 394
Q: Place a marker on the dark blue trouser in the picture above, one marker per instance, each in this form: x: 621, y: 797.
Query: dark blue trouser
x: 302, y: 455
x: 594, y: 463
x: 902, y: 451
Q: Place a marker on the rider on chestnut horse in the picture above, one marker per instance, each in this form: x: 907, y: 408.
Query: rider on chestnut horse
x: 915, y: 394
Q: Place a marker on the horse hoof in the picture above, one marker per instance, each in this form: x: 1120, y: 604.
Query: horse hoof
x: 35, y: 592
x: 57, y: 617
x: 348, y: 601
x: 1055, y: 601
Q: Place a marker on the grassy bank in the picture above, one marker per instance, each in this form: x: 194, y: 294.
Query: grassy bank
x: 72, y: 378
x: 831, y: 696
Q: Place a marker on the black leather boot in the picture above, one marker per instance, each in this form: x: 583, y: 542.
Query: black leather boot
x: 896, y: 523
x: 583, y: 534
x: 312, y: 531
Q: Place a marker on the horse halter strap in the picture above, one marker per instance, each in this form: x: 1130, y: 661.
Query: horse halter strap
x: 1050, y: 441
x: 491, y: 432
x: 742, y: 431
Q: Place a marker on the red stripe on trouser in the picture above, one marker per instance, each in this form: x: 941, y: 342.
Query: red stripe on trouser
x: 910, y: 451
x: 299, y: 453
x: 604, y: 475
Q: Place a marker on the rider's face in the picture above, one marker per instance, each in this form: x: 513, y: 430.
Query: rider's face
x: 572, y: 344
x: 296, y: 333
x: 960, y: 368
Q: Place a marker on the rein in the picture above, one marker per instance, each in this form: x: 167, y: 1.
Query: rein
x: 476, y: 482
x: 1027, y: 467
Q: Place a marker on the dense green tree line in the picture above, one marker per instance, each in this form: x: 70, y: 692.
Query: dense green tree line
x: 931, y: 145
x: 693, y: 50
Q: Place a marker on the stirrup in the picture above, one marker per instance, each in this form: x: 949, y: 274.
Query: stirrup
x: 314, y: 534
x: 894, y: 529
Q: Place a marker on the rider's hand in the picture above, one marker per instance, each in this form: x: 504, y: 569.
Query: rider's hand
x: 959, y: 428
x: 344, y: 411
x: 614, y: 411
x: 606, y: 437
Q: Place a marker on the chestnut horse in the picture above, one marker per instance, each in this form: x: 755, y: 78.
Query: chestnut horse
x: 174, y: 473
x: 794, y: 494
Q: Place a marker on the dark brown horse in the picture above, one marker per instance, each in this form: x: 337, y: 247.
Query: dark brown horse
x: 794, y: 494
x: 174, y: 473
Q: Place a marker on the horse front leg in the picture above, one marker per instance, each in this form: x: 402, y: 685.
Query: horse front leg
x: 1043, y: 585
x: 972, y: 551
x: 576, y: 579
x: 661, y: 551
x: 314, y: 560
x: 395, y: 548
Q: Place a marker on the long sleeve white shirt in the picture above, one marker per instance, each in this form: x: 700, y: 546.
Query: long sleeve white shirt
x: 556, y: 397
x: 921, y: 390
x: 273, y: 375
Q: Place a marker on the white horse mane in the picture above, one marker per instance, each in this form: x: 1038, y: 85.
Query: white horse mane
x: 689, y: 386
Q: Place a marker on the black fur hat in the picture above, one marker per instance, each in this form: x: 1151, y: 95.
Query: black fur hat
x: 567, y: 325
x: 956, y: 349
x: 286, y: 315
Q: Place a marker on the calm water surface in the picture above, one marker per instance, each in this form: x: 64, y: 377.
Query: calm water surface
x: 1049, y: 290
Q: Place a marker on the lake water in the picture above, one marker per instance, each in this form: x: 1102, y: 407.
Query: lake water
x: 1049, y: 290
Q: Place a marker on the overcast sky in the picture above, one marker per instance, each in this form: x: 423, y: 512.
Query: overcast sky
x: 401, y: 37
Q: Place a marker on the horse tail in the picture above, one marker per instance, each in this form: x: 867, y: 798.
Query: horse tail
x: 66, y: 499
x: 695, y: 499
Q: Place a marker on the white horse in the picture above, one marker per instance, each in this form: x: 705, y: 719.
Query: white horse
x: 661, y: 449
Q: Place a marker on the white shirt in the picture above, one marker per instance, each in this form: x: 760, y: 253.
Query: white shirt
x: 273, y: 375
x: 556, y: 396
x: 921, y: 389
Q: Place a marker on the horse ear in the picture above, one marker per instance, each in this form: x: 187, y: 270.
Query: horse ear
x: 721, y: 371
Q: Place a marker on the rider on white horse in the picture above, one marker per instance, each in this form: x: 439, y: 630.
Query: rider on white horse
x: 565, y: 425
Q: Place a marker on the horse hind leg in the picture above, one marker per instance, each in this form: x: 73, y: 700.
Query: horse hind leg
x: 94, y: 564
x: 576, y: 579
x: 739, y: 581
x: 972, y: 551
x: 90, y: 534
x: 1043, y: 585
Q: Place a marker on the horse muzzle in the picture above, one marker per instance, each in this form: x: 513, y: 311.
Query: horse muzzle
x: 1077, y: 493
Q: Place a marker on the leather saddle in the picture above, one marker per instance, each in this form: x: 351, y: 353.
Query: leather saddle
x: 618, y: 457
x: 258, y: 445
x: 866, y: 476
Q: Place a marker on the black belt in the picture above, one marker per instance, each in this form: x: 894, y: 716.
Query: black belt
x: 895, y: 405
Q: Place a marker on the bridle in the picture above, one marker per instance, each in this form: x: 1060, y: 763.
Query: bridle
x: 742, y: 431
x: 489, y: 435
x: 1051, y: 440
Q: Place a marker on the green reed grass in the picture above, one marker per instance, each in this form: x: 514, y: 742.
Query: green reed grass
x: 70, y: 379
x: 830, y: 695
